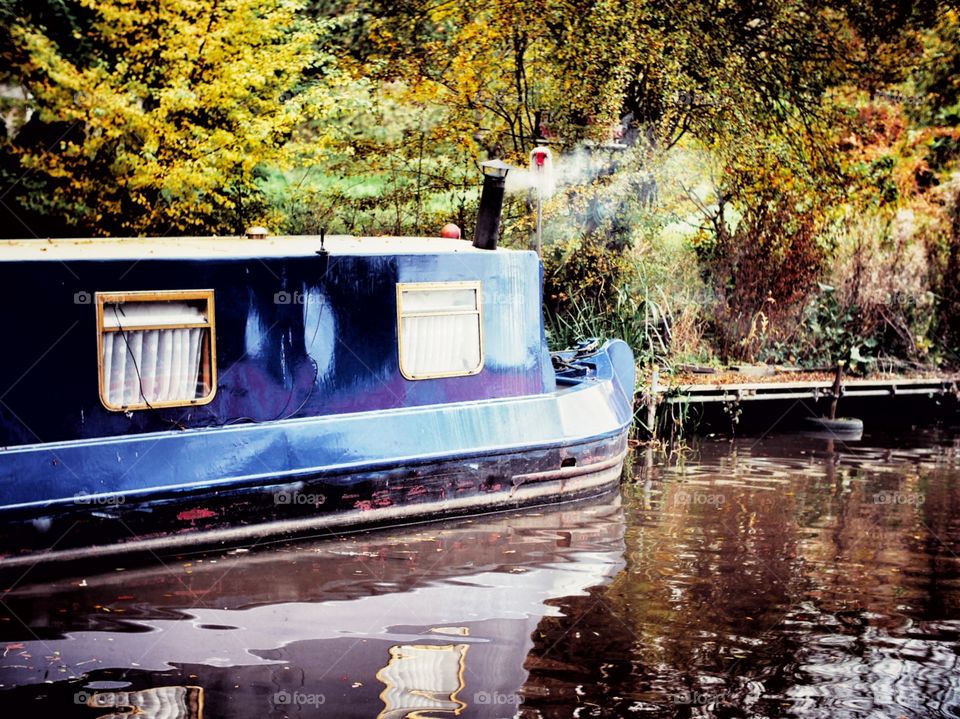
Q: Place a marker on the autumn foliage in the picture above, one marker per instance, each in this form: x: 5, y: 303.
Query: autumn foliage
x: 159, y: 120
x: 720, y: 163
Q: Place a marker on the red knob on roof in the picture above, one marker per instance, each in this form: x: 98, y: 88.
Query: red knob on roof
x: 451, y: 231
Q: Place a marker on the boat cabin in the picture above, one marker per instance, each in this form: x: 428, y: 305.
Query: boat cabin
x: 113, y: 337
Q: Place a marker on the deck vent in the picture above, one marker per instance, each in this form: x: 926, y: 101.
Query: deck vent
x: 257, y: 233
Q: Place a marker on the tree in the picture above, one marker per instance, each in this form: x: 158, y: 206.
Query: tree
x: 159, y: 120
x: 936, y: 76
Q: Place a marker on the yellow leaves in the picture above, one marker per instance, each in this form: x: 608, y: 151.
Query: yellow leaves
x: 175, y: 107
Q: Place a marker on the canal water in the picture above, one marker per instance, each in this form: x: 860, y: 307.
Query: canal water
x: 755, y: 577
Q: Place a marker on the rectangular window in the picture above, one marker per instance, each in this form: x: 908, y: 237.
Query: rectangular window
x: 439, y: 329
x: 157, y: 349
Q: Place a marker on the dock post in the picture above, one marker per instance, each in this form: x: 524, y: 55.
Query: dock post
x: 837, y: 389
x: 652, y: 402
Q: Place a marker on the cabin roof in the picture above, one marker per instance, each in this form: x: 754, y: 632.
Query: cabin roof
x: 183, y: 248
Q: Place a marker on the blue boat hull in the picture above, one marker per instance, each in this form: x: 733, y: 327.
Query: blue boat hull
x: 166, y: 491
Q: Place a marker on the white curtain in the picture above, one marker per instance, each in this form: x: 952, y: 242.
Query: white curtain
x: 440, y: 331
x: 441, y: 344
x: 151, y: 365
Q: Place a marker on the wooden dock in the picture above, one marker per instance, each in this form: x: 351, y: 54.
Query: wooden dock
x: 811, y: 389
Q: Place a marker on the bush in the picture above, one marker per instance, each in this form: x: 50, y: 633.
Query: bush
x: 762, y: 273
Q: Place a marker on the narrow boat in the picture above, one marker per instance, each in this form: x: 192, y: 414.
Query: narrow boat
x: 158, y: 394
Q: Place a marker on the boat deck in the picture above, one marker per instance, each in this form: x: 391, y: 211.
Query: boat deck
x: 139, y: 248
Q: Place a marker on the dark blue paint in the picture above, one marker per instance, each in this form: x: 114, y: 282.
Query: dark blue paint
x: 250, y: 454
x: 273, y: 360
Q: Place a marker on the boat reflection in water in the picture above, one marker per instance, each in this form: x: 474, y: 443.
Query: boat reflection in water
x: 424, y: 678
x: 435, y: 621
x: 153, y: 703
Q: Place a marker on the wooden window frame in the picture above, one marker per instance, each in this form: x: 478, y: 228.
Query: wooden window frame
x: 208, y: 352
x: 402, y: 287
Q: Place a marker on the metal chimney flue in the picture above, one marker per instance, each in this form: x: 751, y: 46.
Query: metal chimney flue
x: 491, y: 204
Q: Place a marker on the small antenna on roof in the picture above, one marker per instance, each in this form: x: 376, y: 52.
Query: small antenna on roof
x: 324, y: 255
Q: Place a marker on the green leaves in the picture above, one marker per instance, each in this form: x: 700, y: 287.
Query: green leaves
x: 174, y: 106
